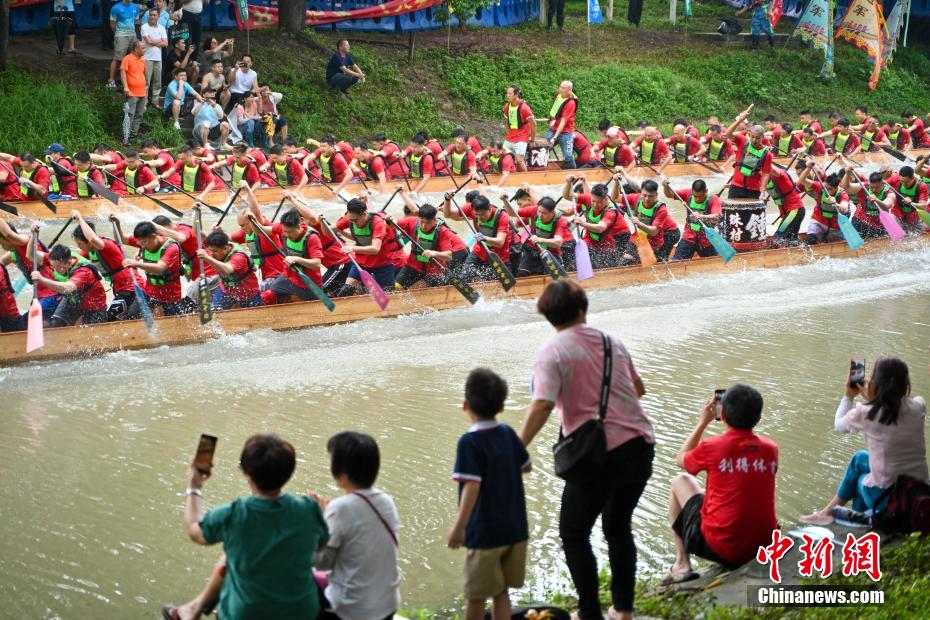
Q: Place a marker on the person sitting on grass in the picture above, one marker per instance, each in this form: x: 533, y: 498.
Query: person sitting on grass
x: 491, y: 520
x: 893, y: 425
x: 176, y: 97
x: 269, y: 540
x: 736, y: 516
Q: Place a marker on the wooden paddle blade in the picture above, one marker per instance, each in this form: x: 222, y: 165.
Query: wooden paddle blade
x: 164, y: 205
x: 553, y: 266
x: 463, y: 287
x: 583, y: 268
x: 850, y: 234
x: 891, y: 225
x: 103, y: 191
x: 374, y: 289
x: 35, y: 337
x: 204, y: 303
x: 504, y: 275
x: 647, y: 257
x: 9, y: 209
x: 48, y: 203
x: 144, y: 307
x: 316, y: 290
x: 724, y: 249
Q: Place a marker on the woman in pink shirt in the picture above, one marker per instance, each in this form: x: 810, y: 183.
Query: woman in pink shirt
x: 568, y: 376
x: 893, y: 425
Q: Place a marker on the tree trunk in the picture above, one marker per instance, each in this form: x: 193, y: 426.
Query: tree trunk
x: 4, y: 32
x: 291, y: 16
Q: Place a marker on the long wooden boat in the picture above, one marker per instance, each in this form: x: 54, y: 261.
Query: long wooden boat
x: 553, y: 176
x: 73, y: 342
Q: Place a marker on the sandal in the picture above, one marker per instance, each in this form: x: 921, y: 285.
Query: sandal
x: 672, y: 579
x: 169, y: 612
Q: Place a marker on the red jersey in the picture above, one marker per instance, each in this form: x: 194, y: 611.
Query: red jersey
x: 208, y: 156
x: 8, y: 307
x: 289, y: 173
x: 499, y: 223
x: 785, y: 194
x: 501, y: 164
x: 310, y: 248
x: 347, y: 150
x: 442, y: 239
x: 63, y: 177
x: 164, y: 162
x: 332, y: 168
x: 748, y: 171
x: 815, y: 126
x: 917, y: 193
x: 24, y: 262
x: 712, y: 206
x: 90, y: 294
x: 397, y: 167
x: 818, y: 191
x: 815, y: 147
x: 616, y: 224
x: 474, y: 145
x: 582, y: 149
x: 899, y: 140
x: 164, y: 287
x: 869, y: 138
x: 843, y: 143
x: 332, y: 251
x: 142, y: 175
x: 558, y: 227
x: 376, y: 228
x: 242, y: 283
x: 567, y: 112
x: 683, y: 148
x: 421, y: 165
x: 620, y: 155
x: 193, y: 178
x: 658, y: 216
x: 109, y: 262
x: 650, y: 152
x: 918, y: 131
x: 9, y: 187
x: 262, y: 251
x: 516, y: 119
x: 436, y: 149
x: 785, y: 142
x: 460, y: 163
x: 868, y: 213
x: 39, y: 175
x: 375, y: 166
x: 738, y: 514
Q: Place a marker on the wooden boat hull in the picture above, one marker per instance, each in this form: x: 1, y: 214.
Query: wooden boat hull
x: 72, y: 342
x: 554, y: 176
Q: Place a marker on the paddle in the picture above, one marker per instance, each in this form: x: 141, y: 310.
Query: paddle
x: 204, y: 304
x: 60, y: 233
x: 849, y: 232
x: 725, y: 185
x: 583, y: 267
x: 42, y: 197
x: 277, y: 211
x: 228, y: 207
x: 887, y: 220
x: 830, y: 165
x: 35, y: 337
x: 724, y: 249
x: 144, y: 307
x: 9, y: 209
x: 707, y: 166
x: 647, y: 257
x: 552, y: 265
x: 503, y: 274
x: 891, y: 151
x: 922, y: 214
x: 324, y: 184
x: 160, y: 203
x: 103, y: 191
x: 176, y: 188
x: 460, y: 285
x: 311, y: 285
x: 643, y: 163
x: 371, y: 285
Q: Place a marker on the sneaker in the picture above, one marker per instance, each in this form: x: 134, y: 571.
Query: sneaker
x: 177, y: 125
x: 111, y: 85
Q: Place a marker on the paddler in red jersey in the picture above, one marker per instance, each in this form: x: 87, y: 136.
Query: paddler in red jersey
x: 520, y: 124
x: 913, y: 197
x: 829, y: 200
x: 77, y: 279
x: 874, y: 196
x: 160, y: 259
x: 753, y: 159
x: 304, y: 252
x: 493, y: 227
x: 787, y: 197
x: 108, y: 257
x: 236, y: 270
x: 373, y: 245
x: 435, y: 240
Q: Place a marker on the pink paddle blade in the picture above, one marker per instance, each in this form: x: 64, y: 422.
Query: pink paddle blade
x: 583, y: 267
x: 891, y: 225
x: 374, y: 289
x: 35, y: 337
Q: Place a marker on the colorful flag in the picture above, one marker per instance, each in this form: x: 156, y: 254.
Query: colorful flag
x: 267, y: 17
x: 776, y: 8
x: 594, y: 12
x: 816, y: 26
x: 688, y: 8
x: 862, y: 26
x: 893, y: 30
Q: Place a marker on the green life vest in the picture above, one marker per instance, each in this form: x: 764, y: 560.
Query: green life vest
x: 366, y: 166
x: 427, y: 241
x: 645, y: 151
x: 646, y: 215
x: 362, y: 234
x: 808, y: 144
x: 496, y: 162
x: 716, y: 150
x: 827, y: 209
x: 238, y: 173
x: 282, y: 173
x: 867, y: 140
x: 108, y: 271
x: 699, y: 207
x: 130, y: 177
x: 253, y: 241
x: 592, y: 218
x: 63, y: 277
x: 326, y: 167
x: 236, y: 279
x: 681, y: 151
x: 775, y: 193
x: 784, y: 143
x: 458, y: 162
x: 416, y: 164
x: 160, y: 279
x: 871, y: 209
x: 557, y: 106
x: 908, y: 192
x: 513, y: 116
x: 839, y: 142
x: 752, y: 160
x: 543, y: 230
x: 75, y: 297
x: 298, y: 248
x: 488, y: 228
x: 893, y: 137
x: 23, y: 188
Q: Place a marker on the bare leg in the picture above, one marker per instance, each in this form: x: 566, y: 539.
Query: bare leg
x: 474, y: 609
x: 500, y: 606
x: 176, y: 110
x: 71, y: 42
x: 684, y: 487
x: 112, y: 69
x: 211, y: 592
x: 521, y: 162
x: 836, y: 501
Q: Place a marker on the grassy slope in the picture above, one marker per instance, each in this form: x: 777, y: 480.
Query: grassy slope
x: 654, y: 73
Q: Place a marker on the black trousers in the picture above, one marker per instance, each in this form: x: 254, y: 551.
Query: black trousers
x: 194, y: 22
x: 106, y: 32
x: 557, y: 8
x: 742, y: 192
x: 613, y: 495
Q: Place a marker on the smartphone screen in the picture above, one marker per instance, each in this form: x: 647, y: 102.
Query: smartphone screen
x: 205, y: 449
x: 718, y: 397
x: 856, y: 371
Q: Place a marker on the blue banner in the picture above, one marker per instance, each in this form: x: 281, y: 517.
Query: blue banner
x: 594, y: 12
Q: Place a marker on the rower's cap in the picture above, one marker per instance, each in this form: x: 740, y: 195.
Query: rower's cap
x: 54, y: 148
x: 520, y: 193
x: 613, y: 132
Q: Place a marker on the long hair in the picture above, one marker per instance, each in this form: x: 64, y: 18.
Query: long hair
x: 890, y: 384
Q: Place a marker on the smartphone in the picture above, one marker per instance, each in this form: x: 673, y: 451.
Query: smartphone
x: 856, y: 371
x: 205, y: 449
x: 718, y: 398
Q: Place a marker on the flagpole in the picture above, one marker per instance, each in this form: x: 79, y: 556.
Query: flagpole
x: 907, y: 22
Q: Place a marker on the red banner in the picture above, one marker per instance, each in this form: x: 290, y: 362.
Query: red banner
x: 267, y: 17
x: 15, y: 4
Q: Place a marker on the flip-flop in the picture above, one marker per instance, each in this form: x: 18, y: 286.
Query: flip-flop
x: 674, y: 579
x: 169, y: 612
x: 816, y: 518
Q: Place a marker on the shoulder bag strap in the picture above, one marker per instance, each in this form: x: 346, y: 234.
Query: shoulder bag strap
x: 380, y: 518
x: 608, y: 373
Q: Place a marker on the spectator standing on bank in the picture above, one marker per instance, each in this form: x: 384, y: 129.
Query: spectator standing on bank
x: 192, y: 15
x: 570, y: 375
x: 155, y: 37
x: 123, y: 19
x: 164, y: 15
x: 132, y: 76
x: 65, y: 8
x: 342, y: 73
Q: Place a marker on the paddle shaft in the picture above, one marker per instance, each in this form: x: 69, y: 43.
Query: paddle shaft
x: 189, y: 195
x: 160, y: 203
x: 60, y: 233
x: 228, y: 207
x: 35, y: 262
x: 42, y: 197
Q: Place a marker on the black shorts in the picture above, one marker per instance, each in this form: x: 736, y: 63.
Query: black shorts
x: 742, y: 192
x: 72, y: 27
x: 688, y: 528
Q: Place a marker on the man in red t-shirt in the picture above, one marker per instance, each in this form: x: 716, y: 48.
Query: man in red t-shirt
x: 18, y: 248
x: 787, y: 197
x: 872, y: 138
x: 753, y: 159
x: 11, y: 320
x: 736, y: 515
x: 459, y: 157
x: 397, y: 167
x: 373, y: 165
x: 548, y: 230
x: 613, y: 152
x: 683, y: 147
x: 132, y: 176
x: 304, y: 253
x: 234, y: 266
x: 652, y: 217
x: 583, y: 150
x: 603, y: 227
x: 242, y: 168
x: 63, y: 172
x: 160, y: 161
x: 717, y: 146
x: 436, y: 240
x: 562, y: 122
x: 494, y: 229
x: 108, y: 257
x: 898, y: 137
x: 335, y: 261
x: 160, y: 259
x: 845, y: 142
x: 520, y: 124
x: 374, y: 246
x: 920, y: 137
x: 650, y: 148
x: 824, y: 225
x: 33, y: 178
x: 82, y: 294
x: 704, y: 210
x: 810, y: 144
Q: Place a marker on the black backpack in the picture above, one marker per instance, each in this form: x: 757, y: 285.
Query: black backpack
x: 729, y: 26
x: 908, y: 508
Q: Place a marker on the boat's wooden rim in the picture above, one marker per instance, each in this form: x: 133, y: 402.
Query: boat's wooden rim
x: 95, y: 206
x: 74, y: 342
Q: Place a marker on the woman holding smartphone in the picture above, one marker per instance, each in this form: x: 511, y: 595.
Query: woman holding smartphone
x: 893, y: 425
